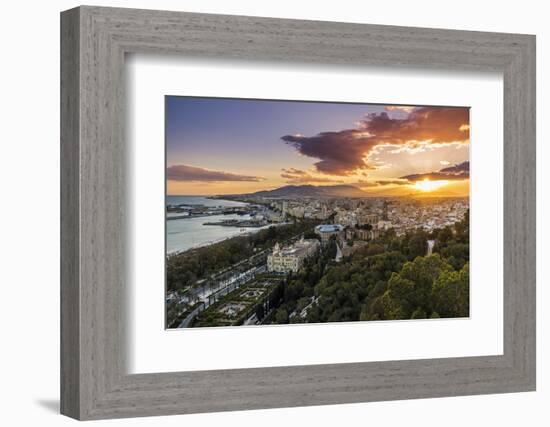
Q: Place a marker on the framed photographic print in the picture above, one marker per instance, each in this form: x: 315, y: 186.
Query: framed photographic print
x: 366, y: 223
x: 292, y: 213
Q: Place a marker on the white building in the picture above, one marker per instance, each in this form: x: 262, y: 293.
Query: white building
x: 384, y: 225
x: 284, y: 260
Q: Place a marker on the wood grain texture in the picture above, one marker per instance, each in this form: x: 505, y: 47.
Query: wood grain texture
x: 94, y: 380
x: 70, y: 314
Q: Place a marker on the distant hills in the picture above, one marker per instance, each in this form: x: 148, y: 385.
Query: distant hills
x: 338, y: 191
x: 319, y: 191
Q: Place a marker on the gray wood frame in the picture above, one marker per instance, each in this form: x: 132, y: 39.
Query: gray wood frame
x: 94, y: 41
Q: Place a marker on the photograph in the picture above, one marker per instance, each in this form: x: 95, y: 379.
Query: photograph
x: 292, y: 212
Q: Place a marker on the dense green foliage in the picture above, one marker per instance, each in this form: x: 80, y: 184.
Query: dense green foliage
x: 453, y: 244
x: 343, y: 291
x: 185, y: 269
x: 425, y: 287
x: 391, y: 278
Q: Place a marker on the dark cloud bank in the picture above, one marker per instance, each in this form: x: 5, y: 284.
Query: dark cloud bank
x: 192, y: 173
x: 451, y: 173
x: 343, y: 152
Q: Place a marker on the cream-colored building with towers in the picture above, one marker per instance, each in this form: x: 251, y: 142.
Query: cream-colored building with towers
x: 290, y: 259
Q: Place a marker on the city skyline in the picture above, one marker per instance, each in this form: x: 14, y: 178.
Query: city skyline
x: 217, y: 146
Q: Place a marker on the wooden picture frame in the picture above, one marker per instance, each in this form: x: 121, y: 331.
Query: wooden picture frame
x: 94, y: 382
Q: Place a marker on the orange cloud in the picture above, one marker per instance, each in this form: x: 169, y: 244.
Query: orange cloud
x: 346, y: 151
x: 452, y: 173
x: 297, y: 176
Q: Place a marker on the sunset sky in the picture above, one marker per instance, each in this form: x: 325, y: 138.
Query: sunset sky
x: 233, y: 146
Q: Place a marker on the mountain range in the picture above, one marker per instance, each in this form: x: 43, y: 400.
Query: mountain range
x: 319, y: 191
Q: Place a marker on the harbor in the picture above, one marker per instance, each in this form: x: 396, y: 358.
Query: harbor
x: 194, y: 221
x: 247, y: 223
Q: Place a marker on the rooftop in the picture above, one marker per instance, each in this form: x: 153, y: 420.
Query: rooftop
x: 329, y: 228
x: 297, y: 249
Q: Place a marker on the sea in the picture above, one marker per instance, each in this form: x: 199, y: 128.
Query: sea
x: 186, y: 233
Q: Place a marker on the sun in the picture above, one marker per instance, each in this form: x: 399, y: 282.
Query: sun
x: 427, y: 185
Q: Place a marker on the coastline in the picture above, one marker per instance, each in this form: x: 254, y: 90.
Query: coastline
x: 212, y: 242
x: 185, y: 232
x: 200, y: 245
